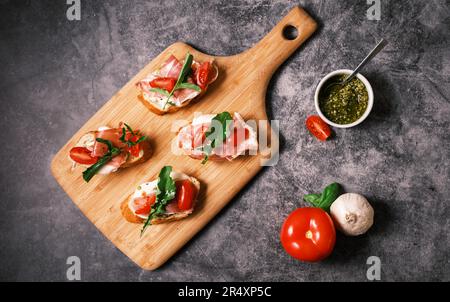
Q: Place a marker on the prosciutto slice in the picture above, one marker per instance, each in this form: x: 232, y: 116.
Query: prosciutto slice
x: 192, y: 138
x: 112, y: 135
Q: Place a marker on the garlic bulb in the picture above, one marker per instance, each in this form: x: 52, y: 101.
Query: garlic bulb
x: 352, y: 214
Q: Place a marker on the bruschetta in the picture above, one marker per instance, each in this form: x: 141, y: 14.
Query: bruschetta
x: 217, y: 137
x: 176, y: 84
x: 172, y: 196
x: 106, y: 150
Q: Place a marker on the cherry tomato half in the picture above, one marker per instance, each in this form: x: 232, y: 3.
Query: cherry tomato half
x: 318, y: 127
x: 236, y: 135
x: 144, y: 205
x: 308, y: 234
x: 202, y: 74
x: 164, y: 83
x: 186, y: 193
x: 82, y: 156
x: 136, y: 149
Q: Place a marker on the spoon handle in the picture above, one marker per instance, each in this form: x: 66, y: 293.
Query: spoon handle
x: 371, y: 55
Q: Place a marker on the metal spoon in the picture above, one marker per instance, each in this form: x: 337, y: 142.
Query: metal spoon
x: 369, y: 57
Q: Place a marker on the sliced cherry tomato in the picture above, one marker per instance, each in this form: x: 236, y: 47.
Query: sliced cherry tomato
x: 82, y: 156
x: 202, y: 75
x: 318, y: 127
x: 164, y: 83
x: 143, y: 205
x: 136, y: 149
x: 236, y: 136
x: 308, y: 234
x: 186, y: 193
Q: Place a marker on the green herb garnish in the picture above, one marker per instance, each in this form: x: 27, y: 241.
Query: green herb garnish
x: 324, y: 200
x: 130, y: 143
x: 92, y: 170
x: 215, y: 137
x: 166, y: 190
x: 185, y: 70
x: 160, y: 91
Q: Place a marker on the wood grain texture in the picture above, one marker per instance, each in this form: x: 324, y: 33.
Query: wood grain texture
x: 241, y: 87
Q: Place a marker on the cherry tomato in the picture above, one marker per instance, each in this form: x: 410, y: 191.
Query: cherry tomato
x: 186, y: 193
x: 144, y: 205
x: 318, y: 127
x: 136, y: 149
x: 236, y: 136
x: 164, y: 83
x: 82, y: 156
x: 308, y: 234
x: 202, y: 74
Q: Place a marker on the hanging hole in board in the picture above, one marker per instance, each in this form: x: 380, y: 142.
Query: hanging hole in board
x: 290, y: 32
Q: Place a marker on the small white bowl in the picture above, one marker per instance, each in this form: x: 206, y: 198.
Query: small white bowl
x: 369, y: 104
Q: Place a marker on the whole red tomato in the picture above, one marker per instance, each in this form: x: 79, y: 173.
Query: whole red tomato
x: 308, y: 234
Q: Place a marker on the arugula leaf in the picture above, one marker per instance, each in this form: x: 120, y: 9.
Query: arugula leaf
x: 166, y: 190
x: 129, y: 142
x: 215, y: 138
x: 189, y: 86
x: 141, y: 139
x: 160, y: 91
x: 92, y: 170
x: 324, y: 200
x: 181, y: 81
x: 129, y: 128
x: 185, y: 70
x: 106, y: 142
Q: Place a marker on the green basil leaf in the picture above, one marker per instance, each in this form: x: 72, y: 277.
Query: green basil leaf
x: 324, y: 200
x: 166, y: 190
x: 312, y: 198
x: 189, y: 86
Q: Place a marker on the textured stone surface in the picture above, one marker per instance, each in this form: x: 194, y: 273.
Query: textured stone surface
x: 55, y: 74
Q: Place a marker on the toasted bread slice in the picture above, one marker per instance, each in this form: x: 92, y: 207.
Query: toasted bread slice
x: 232, y: 147
x: 128, y: 214
x: 174, y: 108
x: 88, y: 141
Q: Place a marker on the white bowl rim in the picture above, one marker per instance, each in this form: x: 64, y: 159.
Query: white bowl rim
x: 369, y: 104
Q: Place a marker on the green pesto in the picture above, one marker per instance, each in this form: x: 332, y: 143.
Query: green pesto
x: 343, y: 105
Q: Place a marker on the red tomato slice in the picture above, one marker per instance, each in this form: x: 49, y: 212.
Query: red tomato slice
x: 82, y: 156
x: 164, y: 83
x: 236, y: 136
x: 144, y: 205
x: 318, y: 127
x: 186, y: 193
x: 202, y: 75
x: 136, y: 149
x: 308, y: 234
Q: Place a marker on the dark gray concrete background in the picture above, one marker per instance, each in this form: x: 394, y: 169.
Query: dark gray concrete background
x: 55, y: 74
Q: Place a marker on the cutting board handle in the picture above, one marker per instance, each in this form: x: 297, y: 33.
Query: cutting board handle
x: 269, y: 53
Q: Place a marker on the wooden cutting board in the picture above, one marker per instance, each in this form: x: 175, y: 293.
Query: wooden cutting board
x: 241, y: 87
